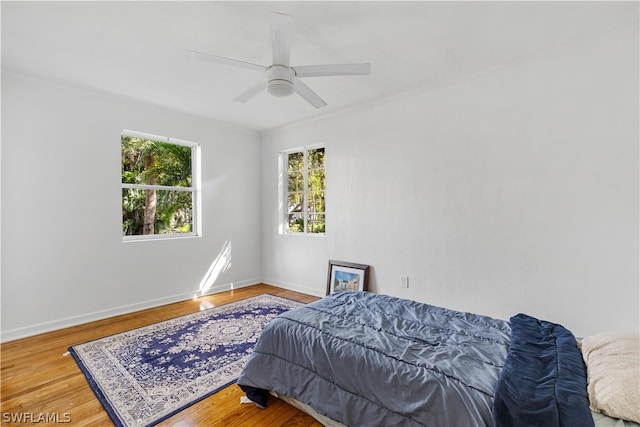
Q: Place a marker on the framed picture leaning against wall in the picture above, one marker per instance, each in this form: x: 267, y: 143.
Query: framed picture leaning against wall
x: 347, y: 276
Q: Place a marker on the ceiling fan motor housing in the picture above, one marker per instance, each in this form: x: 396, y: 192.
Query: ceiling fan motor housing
x: 280, y: 80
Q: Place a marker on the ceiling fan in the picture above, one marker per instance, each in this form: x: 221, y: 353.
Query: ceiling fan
x: 282, y: 79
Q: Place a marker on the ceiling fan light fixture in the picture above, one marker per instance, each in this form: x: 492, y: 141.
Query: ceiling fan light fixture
x: 280, y: 88
x: 280, y: 80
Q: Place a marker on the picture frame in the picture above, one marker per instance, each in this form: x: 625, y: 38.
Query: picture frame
x: 347, y: 276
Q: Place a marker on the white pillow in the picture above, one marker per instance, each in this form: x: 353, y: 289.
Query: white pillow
x: 613, y: 374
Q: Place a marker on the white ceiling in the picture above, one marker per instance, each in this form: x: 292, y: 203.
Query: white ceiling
x: 137, y: 48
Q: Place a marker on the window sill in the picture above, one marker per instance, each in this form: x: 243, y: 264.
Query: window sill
x: 314, y: 235
x: 157, y: 237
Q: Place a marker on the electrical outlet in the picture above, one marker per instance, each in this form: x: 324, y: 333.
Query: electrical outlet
x: 404, y: 281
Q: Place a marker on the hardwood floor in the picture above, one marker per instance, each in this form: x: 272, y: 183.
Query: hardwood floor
x: 37, y: 378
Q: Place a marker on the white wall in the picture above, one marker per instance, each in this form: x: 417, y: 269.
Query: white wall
x: 506, y: 191
x: 63, y: 259
x: 513, y: 190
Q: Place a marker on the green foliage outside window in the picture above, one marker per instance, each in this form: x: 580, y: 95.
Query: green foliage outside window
x: 306, y: 202
x: 151, y: 210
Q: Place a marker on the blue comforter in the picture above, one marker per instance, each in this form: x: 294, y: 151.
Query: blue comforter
x: 374, y: 360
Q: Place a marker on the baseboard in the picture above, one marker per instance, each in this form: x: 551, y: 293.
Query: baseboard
x: 228, y: 287
x: 294, y: 287
x: 40, y: 328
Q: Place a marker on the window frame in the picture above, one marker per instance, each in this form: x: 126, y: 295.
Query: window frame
x: 284, y: 189
x: 195, y: 188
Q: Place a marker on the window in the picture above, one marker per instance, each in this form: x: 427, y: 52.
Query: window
x: 159, y: 187
x: 304, y: 190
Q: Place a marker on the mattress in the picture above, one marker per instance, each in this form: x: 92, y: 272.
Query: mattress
x: 600, y: 420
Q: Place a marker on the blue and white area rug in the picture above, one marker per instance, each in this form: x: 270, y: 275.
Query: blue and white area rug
x: 146, y: 375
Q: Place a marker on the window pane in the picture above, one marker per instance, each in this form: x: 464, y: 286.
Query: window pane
x: 316, y: 202
x: 295, y: 202
x: 156, y: 212
x: 316, y: 180
x: 316, y: 223
x: 155, y: 163
x: 316, y: 158
x: 295, y: 163
x: 296, y: 222
x: 296, y: 182
x: 173, y: 165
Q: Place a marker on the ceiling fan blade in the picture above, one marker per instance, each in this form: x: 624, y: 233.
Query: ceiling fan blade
x: 224, y: 61
x: 251, y: 92
x: 280, y: 38
x: 333, y: 70
x: 310, y: 96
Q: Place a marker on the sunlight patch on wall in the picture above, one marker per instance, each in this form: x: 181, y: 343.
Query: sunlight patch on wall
x: 219, y: 265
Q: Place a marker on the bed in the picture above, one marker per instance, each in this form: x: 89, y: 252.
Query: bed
x: 362, y: 359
